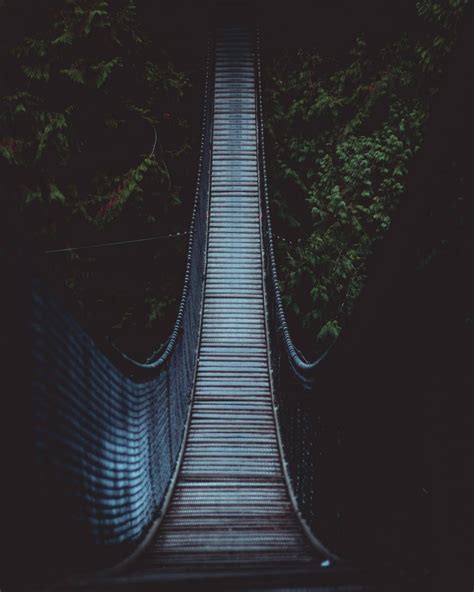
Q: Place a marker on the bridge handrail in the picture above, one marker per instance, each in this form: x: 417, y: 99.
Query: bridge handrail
x: 108, y: 431
x: 159, y: 357
x: 294, y: 380
x: 301, y: 366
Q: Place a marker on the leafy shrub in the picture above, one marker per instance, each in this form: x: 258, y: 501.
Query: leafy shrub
x: 95, y: 146
x: 342, y: 134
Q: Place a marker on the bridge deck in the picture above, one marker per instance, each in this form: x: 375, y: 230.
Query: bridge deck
x: 230, y: 505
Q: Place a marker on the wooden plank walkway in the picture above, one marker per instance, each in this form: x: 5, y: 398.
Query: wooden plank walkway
x: 230, y: 507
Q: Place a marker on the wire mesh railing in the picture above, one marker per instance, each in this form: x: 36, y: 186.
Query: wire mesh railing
x: 292, y: 375
x: 107, y: 429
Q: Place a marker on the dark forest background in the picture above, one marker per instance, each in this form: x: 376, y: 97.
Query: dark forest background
x: 368, y: 111
x: 100, y: 116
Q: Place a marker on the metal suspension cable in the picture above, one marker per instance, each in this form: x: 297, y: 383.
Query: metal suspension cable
x: 159, y: 357
x: 117, y: 243
x: 297, y: 359
x: 146, y: 239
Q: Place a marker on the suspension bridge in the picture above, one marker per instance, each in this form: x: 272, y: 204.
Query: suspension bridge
x: 200, y: 465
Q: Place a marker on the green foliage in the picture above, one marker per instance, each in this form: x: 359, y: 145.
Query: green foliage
x: 101, y: 47
x: 342, y: 135
x: 444, y: 17
x: 95, y: 145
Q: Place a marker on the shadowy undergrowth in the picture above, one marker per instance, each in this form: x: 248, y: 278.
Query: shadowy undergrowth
x: 99, y: 121
x: 342, y: 133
